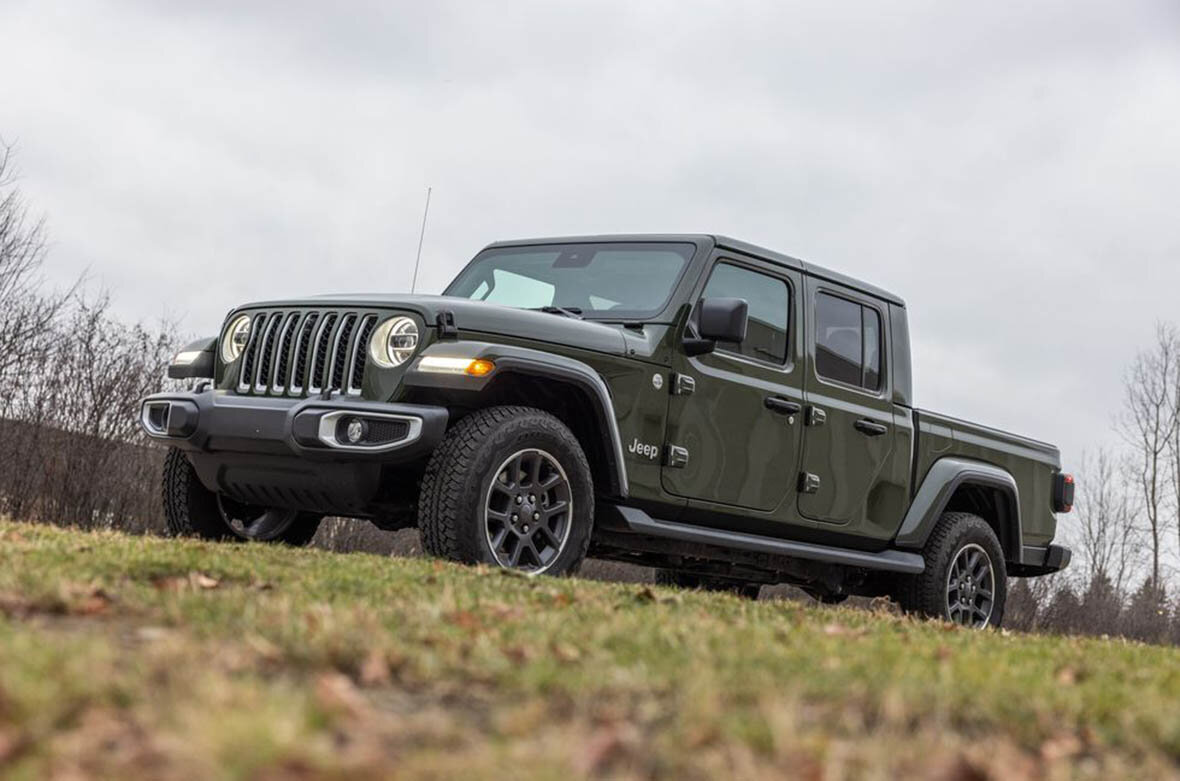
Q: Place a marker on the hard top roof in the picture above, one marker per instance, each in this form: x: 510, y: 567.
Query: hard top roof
x: 724, y: 242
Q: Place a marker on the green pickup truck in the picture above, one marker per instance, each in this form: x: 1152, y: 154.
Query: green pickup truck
x: 726, y: 414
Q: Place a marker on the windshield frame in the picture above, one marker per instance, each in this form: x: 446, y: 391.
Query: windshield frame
x: 656, y: 313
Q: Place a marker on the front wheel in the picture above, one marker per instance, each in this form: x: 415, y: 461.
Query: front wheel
x: 965, y: 581
x: 192, y: 510
x: 510, y: 487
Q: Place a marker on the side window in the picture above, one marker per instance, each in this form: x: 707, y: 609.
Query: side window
x: 847, y: 342
x: 770, y: 307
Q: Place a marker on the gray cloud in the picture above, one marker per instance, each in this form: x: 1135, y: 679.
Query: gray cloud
x: 1010, y: 171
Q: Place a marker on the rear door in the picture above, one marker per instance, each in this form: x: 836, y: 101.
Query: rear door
x: 733, y: 414
x: 848, y: 431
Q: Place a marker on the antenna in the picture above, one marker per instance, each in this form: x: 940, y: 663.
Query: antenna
x: 421, y: 236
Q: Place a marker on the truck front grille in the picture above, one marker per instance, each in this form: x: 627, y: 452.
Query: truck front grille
x: 302, y: 353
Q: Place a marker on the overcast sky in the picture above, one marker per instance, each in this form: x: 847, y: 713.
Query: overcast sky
x: 1012, y: 170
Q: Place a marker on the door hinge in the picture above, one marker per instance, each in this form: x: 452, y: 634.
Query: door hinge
x: 446, y: 325
x: 808, y: 483
x: 683, y: 385
x: 677, y: 457
x: 815, y: 416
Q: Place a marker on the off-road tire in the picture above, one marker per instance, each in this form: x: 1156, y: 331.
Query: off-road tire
x: 671, y: 577
x: 191, y: 509
x: 459, y: 475
x: 926, y: 594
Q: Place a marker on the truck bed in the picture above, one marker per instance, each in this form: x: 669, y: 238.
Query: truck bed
x: 1032, y: 463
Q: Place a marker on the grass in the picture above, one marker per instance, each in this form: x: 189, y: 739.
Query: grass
x: 128, y: 655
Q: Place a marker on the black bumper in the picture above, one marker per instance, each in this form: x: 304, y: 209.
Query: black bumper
x: 315, y: 429
x: 1043, y: 561
x: 296, y: 453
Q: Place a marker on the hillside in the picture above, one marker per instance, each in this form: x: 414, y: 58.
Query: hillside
x: 123, y: 655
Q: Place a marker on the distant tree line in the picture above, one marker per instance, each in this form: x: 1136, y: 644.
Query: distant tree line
x: 71, y: 376
x: 1125, y: 527
x: 71, y: 451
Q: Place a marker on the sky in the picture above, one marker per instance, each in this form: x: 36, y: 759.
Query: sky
x: 1011, y: 170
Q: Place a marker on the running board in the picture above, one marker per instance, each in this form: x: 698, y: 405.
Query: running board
x: 889, y: 560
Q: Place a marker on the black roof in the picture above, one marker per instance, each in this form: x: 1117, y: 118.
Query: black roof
x: 725, y: 242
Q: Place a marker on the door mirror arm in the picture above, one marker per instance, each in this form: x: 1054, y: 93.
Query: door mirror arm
x: 719, y: 320
x: 694, y: 346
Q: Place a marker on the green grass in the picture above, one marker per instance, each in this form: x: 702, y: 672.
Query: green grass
x: 122, y: 655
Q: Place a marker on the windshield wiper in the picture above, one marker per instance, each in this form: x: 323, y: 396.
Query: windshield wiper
x: 567, y: 311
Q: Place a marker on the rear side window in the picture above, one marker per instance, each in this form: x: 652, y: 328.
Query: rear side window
x: 770, y: 306
x: 847, y: 342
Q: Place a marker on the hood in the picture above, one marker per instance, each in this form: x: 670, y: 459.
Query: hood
x: 479, y: 316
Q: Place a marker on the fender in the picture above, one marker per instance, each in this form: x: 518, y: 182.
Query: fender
x: 537, y: 363
x: 941, y: 482
x: 194, y: 361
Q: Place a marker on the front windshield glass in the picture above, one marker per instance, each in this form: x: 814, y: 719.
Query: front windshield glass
x: 603, y: 281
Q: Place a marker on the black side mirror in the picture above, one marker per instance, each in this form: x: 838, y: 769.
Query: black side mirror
x: 720, y: 320
x: 724, y: 319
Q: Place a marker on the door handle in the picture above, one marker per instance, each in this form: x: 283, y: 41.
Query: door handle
x: 870, y: 427
x: 784, y: 406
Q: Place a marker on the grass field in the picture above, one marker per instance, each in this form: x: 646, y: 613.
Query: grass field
x: 123, y: 655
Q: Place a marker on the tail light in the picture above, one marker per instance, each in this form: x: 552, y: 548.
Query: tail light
x: 1063, y: 488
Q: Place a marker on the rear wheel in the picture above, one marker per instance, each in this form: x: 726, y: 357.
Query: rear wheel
x: 511, y: 487
x: 965, y: 581
x: 192, y: 510
x: 670, y: 577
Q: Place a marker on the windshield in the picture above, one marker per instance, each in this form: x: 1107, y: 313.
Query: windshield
x: 603, y: 281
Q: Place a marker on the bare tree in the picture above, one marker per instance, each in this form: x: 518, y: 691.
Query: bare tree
x: 1148, y: 422
x: 1174, y: 445
x: 25, y: 312
x: 1103, y: 521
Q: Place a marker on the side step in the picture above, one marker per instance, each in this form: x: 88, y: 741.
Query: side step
x: 889, y: 560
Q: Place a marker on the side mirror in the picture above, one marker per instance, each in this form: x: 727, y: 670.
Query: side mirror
x: 720, y: 320
x: 724, y: 319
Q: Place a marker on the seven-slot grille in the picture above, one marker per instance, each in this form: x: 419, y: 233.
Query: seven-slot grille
x: 304, y: 352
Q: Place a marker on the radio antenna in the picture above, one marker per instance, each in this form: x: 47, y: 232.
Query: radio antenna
x: 421, y: 236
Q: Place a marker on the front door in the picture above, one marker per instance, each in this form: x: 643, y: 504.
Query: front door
x: 849, y: 414
x: 733, y: 419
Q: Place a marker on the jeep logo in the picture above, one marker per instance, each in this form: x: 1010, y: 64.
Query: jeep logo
x: 650, y: 452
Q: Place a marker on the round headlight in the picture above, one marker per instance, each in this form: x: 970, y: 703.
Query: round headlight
x: 233, y: 341
x: 394, y: 342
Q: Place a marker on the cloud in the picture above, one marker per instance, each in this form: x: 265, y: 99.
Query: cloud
x: 1010, y: 171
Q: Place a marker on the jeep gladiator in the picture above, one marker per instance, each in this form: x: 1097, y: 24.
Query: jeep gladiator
x: 724, y: 413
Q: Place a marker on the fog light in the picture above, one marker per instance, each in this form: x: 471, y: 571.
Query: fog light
x: 355, y: 431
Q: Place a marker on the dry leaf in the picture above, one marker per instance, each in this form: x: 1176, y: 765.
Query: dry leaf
x: 518, y: 653
x: 11, y: 745
x: 337, y: 694
x: 1060, y: 747
x: 566, y: 652
x: 374, y: 669
x: 86, y: 600
x: 649, y: 594
x: 465, y: 619
x: 201, y: 580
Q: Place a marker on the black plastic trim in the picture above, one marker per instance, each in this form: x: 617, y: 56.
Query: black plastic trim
x: 640, y: 522
x: 203, y: 367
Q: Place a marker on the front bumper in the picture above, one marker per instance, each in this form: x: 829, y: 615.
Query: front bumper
x: 296, y: 453
x: 315, y: 429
